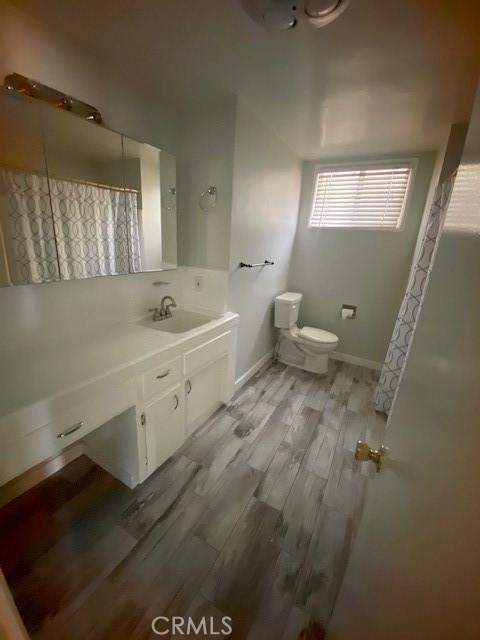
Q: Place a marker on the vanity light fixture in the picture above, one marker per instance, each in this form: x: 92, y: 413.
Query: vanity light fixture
x: 16, y: 83
x: 208, y: 199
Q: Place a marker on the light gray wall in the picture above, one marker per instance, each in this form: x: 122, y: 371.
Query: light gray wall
x: 205, y: 159
x: 366, y: 268
x: 39, y: 312
x: 266, y: 190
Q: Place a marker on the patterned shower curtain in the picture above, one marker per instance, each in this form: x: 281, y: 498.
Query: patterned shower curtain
x: 131, y: 204
x: 90, y: 229
x: 27, y: 228
x: 58, y: 229
x: 404, y: 330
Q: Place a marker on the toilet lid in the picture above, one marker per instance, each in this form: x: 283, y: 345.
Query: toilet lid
x: 318, y: 335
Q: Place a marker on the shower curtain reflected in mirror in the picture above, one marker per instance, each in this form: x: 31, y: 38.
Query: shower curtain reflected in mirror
x: 27, y: 228
x: 90, y: 229
x: 61, y: 229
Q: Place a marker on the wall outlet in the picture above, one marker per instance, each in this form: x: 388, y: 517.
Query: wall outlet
x: 198, y: 283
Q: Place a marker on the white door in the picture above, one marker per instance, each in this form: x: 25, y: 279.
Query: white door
x: 414, y: 572
x: 165, y: 427
x: 204, y: 392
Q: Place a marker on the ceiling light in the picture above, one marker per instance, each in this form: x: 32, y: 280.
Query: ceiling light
x: 283, y: 15
x: 320, y: 8
x: 279, y: 17
x: 321, y: 12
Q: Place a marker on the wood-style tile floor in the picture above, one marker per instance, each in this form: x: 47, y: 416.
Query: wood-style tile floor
x: 253, y: 519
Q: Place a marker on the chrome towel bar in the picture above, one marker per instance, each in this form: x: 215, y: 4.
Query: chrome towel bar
x: 246, y: 265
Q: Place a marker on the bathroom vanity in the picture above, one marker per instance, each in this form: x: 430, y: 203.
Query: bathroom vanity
x: 126, y: 395
x: 78, y: 201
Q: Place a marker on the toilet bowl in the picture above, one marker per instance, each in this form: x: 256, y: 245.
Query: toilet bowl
x: 307, y: 348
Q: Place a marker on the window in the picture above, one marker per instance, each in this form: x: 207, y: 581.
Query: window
x: 463, y: 213
x: 361, y: 196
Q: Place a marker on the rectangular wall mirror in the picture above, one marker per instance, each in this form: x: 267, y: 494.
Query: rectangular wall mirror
x: 150, y: 187
x: 87, y: 197
x: 78, y: 200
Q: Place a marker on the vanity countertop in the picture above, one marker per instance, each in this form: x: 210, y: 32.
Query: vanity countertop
x: 58, y: 367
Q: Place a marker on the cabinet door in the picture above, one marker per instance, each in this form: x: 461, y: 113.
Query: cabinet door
x: 204, y: 392
x: 164, y: 425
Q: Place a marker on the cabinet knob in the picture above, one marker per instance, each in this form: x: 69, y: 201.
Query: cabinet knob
x: 188, y: 386
x: 163, y: 375
x: 177, y: 402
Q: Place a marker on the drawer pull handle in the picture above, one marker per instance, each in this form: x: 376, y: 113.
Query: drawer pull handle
x: 177, y: 402
x: 163, y: 375
x: 71, y: 430
x: 188, y: 385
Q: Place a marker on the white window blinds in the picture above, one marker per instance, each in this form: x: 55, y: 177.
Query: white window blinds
x: 364, y: 196
x: 463, y: 213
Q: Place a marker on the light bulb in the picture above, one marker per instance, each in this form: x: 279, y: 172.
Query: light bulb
x: 279, y: 18
x: 320, y: 8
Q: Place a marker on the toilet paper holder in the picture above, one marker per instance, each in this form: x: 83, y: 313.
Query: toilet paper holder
x: 348, y: 311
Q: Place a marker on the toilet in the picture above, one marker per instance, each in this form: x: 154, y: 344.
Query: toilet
x: 306, y: 348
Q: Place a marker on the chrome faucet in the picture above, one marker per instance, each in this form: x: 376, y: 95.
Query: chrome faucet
x: 163, y: 312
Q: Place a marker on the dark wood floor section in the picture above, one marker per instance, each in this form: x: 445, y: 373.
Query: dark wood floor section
x: 253, y: 519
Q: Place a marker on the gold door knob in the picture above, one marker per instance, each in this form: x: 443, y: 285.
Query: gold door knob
x: 364, y: 453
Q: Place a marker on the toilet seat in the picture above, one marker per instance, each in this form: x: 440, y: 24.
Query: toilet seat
x: 316, y: 339
x: 319, y: 336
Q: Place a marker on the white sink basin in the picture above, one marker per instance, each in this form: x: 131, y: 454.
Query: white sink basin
x: 180, y: 322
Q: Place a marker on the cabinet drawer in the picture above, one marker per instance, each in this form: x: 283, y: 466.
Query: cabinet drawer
x: 104, y: 403
x: 44, y: 443
x: 67, y: 425
x: 22, y: 454
x: 207, y: 353
x: 159, y: 379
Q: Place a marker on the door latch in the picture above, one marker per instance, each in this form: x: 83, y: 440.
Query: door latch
x: 364, y: 453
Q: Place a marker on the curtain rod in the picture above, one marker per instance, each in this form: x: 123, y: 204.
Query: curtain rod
x: 86, y: 182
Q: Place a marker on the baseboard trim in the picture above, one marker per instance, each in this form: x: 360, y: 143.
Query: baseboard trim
x: 244, y: 378
x: 362, y: 362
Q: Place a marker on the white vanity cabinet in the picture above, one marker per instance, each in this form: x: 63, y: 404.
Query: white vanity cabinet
x: 164, y: 422
x: 208, y: 378
x: 204, y: 393
x: 129, y: 417
x: 43, y: 430
x: 205, y: 375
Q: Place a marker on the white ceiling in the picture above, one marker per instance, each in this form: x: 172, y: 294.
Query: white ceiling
x: 387, y: 76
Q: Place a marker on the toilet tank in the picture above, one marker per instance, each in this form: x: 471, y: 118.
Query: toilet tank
x: 287, y: 306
